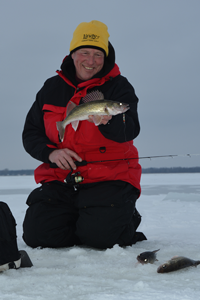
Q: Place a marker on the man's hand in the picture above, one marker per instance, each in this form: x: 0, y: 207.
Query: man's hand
x: 64, y: 158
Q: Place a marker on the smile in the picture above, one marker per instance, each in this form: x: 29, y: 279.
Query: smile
x: 87, y: 68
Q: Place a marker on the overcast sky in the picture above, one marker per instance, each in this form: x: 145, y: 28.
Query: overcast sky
x: 157, y: 44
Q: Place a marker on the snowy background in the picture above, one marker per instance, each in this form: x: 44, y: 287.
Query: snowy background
x: 170, y: 208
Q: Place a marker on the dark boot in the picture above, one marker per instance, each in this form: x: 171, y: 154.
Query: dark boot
x: 10, y: 257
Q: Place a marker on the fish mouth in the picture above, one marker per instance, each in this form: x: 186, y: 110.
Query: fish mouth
x: 140, y: 260
x: 163, y: 269
x: 160, y: 270
x: 126, y: 107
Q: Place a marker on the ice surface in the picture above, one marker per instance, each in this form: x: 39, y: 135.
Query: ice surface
x: 170, y: 209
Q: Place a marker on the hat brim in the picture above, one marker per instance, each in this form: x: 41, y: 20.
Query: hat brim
x: 88, y: 46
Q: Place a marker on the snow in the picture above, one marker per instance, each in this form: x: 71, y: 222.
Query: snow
x: 170, y: 208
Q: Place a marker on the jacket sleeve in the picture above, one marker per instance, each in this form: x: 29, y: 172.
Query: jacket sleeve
x: 123, y: 127
x: 35, y: 141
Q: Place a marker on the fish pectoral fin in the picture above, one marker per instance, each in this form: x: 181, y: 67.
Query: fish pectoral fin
x: 75, y: 125
x: 97, y: 119
x: 106, y: 111
x: 70, y: 106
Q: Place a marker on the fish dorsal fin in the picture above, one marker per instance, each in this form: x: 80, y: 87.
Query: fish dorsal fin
x: 71, y: 105
x: 175, y: 257
x: 93, y: 96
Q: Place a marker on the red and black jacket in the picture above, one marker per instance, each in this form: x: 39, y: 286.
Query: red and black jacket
x: 40, y: 135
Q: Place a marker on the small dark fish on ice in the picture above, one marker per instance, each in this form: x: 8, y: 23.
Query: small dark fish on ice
x: 147, y: 257
x: 177, y: 263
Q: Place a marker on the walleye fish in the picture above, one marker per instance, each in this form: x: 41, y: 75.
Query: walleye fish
x: 96, y: 106
x: 147, y: 257
x: 177, y: 263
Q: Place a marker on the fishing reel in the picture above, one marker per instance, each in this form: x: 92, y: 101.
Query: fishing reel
x: 74, y: 179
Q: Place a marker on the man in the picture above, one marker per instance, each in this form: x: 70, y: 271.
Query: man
x: 81, y: 202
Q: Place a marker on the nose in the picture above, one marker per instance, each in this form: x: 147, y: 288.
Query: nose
x: 91, y: 59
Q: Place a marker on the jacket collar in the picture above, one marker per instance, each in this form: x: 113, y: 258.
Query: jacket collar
x: 92, y: 82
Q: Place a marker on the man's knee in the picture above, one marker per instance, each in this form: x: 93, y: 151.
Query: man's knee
x: 50, y: 225
x: 102, y: 228
x: 30, y: 229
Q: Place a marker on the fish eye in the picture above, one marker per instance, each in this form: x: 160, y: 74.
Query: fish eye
x: 163, y: 266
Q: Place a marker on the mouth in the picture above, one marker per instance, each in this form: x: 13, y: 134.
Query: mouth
x: 88, y: 68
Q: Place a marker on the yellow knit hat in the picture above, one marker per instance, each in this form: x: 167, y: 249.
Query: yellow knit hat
x: 94, y: 33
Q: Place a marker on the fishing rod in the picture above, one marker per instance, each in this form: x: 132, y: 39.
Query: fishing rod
x: 84, y: 162
x: 74, y: 179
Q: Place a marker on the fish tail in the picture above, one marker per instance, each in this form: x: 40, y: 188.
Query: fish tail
x: 156, y: 251
x: 197, y: 263
x: 61, y: 130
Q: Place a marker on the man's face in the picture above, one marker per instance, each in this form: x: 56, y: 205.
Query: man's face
x: 88, y: 62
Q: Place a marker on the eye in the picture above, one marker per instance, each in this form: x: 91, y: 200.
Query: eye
x: 84, y: 53
x: 163, y: 266
x: 146, y: 260
x: 99, y: 54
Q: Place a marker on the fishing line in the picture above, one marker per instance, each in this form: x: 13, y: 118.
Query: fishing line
x: 124, y: 122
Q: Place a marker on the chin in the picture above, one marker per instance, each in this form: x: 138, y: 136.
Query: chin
x: 87, y: 77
